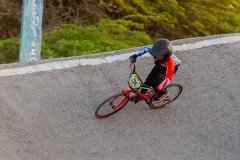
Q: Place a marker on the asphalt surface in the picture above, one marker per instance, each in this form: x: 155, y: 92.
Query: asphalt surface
x: 50, y: 115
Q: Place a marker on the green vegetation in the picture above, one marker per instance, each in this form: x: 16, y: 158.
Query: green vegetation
x: 9, y: 50
x: 179, y: 18
x: 106, y: 25
x: 72, y: 40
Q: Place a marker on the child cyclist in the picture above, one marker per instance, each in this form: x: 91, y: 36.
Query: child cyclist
x: 166, y: 64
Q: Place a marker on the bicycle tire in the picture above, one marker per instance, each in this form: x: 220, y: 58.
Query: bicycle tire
x: 114, y: 110
x: 168, y: 100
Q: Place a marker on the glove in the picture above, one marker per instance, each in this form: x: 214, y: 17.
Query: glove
x: 133, y: 58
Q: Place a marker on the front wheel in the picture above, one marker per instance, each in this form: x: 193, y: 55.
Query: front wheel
x: 111, y: 105
x: 174, y: 91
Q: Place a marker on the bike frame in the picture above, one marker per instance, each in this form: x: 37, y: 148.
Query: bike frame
x: 147, y: 98
x: 137, y: 87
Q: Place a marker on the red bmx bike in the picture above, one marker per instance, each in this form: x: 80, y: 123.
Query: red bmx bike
x: 116, y: 102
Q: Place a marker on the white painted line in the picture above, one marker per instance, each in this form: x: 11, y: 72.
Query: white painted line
x: 109, y: 59
x: 206, y: 43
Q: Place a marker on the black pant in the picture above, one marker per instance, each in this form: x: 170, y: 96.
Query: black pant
x: 156, y: 76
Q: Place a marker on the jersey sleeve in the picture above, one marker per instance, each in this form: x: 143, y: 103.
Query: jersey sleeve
x: 170, y: 65
x: 143, y: 51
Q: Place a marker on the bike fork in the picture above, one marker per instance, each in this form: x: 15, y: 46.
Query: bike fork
x: 127, y: 92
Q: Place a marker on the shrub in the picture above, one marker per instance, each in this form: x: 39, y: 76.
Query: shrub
x: 72, y: 40
x: 9, y: 50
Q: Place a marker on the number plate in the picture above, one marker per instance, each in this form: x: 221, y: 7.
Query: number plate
x: 134, y: 81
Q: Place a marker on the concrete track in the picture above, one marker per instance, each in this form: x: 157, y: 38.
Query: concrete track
x: 50, y: 115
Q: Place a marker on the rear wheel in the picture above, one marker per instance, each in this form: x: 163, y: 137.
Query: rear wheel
x: 111, y: 105
x: 174, y: 91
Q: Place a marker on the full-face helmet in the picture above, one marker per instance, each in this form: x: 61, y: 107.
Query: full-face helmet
x: 161, y: 50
